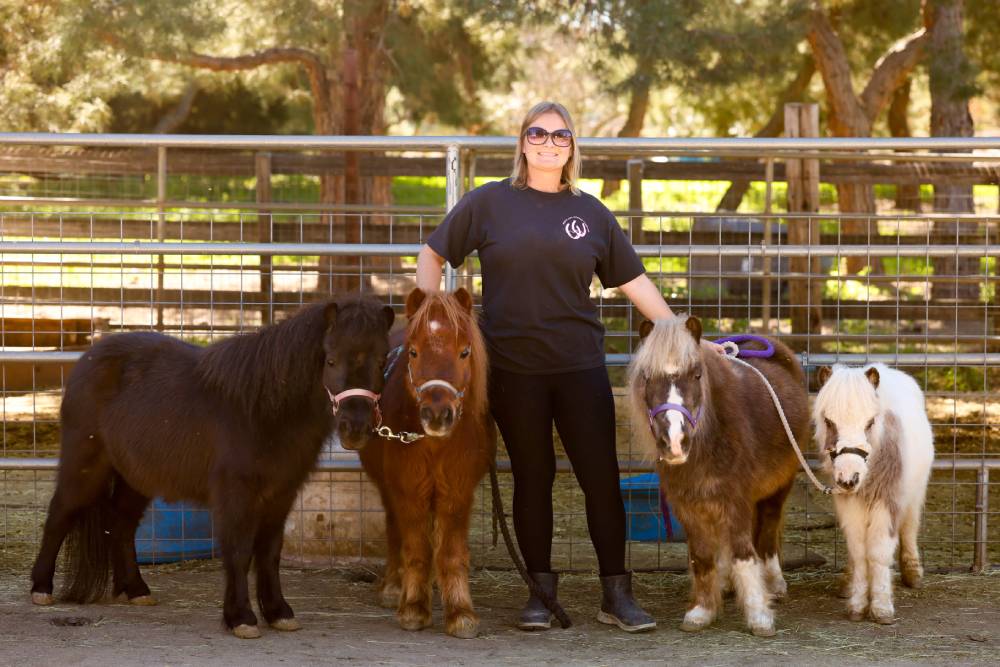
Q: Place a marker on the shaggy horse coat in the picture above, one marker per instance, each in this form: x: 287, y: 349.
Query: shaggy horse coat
x: 877, y: 445
x: 235, y: 426
x: 726, y: 467
x: 437, y: 388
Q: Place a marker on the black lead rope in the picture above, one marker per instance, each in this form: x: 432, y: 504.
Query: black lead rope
x: 498, y: 517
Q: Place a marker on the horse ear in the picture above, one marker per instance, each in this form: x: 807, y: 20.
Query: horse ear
x: 645, y: 328
x: 693, y: 324
x: 464, y: 298
x: 330, y: 314
x: 823, y: 374
x: 413, y: 301
x: 390, y: 316
x: 872, y: 375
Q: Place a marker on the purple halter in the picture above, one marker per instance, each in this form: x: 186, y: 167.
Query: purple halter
x: 745, y: 338
x: 664, y: 407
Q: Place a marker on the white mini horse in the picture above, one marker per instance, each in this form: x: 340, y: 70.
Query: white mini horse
x: 878, y: 446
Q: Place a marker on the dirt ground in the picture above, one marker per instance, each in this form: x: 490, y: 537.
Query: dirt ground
x: 954, y: 619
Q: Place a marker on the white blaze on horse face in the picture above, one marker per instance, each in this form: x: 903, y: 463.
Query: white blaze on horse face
x: 675, y: 421
x: 435, y: 326
x: 849, y: 469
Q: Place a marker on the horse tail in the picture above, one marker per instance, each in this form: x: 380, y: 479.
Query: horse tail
x: 88, y: 552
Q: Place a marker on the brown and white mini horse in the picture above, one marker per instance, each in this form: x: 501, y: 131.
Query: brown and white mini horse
x: 437, y: 389
x: 725, y: 463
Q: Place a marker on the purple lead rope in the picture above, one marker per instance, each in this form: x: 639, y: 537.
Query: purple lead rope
x: 746, y: 338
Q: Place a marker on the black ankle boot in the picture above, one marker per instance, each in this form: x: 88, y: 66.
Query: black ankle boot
x: 535, y: 615
x: 618, y: 607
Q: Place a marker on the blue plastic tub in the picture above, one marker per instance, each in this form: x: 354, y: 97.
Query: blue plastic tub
x: 649, y: 518
x: 171, y: 532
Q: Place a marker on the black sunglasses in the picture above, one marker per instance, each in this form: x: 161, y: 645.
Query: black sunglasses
x: 537, y: 136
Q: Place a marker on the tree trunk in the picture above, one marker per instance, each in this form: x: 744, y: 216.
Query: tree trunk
x: 907, y: 195
x: 950, y: 117
x: 852, y: 115
x: 638, y: 105
x: 360, y: 88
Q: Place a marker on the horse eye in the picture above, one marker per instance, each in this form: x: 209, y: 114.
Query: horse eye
x: 413, y: 353
x: 829, y: 424
x: 465, y: 353
x: 330, y: 362
x: 871, y: 423
x: 697, y: 376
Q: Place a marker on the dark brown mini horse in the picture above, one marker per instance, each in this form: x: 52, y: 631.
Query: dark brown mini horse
x: 437, y: 389
x: 235, y: 426
x: 725, y: 462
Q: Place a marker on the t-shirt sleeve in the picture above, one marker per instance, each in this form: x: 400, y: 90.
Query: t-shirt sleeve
x: 459, y: 233
x: 620, y: 263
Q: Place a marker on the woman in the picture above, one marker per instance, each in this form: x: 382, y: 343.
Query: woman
x: 540, y: 242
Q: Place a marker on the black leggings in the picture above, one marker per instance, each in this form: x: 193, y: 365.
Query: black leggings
x: 581, y: 405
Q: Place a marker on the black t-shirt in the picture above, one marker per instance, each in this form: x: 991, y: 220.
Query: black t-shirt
x: 539, y: 252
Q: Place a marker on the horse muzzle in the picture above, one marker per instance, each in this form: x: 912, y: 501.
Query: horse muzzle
x: 670, y: 456
x: 438, y: 418
x: 358, y: 415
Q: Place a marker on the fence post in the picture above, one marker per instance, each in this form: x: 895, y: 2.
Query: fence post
x: 980, y: 559
x: 633, y: 171
x: 161, y: 227
x: 265, y: 232
x: 765, y: 314
x: 452, y: 173
x: 805, y: 294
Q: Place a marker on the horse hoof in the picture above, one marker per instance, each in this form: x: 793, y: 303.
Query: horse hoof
x: 913, y: 579
x: 855, y: 615
x: 687, y: 626
x: 42, y: 599
x: 763, y: 631
x: 697, y: 619
x: 143, y: 601
x: 414, y: 621
x: 286, y: 624
x: 883, y: 617
x: 463, y: 627
x: 244, y: 631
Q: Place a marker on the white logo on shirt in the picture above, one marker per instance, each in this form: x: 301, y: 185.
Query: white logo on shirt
x: 575, y: 227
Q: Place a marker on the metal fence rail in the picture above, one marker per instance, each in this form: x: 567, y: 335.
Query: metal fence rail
x: 86, y: 250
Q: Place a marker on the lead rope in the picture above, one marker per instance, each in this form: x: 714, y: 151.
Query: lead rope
x: 536, y: 590
x: 731, y: 355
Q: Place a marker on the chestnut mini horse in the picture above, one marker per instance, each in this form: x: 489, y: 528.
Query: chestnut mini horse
x: 436, y: 389
x: 725, y: 463
x: 235, y: 426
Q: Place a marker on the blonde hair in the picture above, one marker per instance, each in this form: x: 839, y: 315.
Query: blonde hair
x: 571, y: 170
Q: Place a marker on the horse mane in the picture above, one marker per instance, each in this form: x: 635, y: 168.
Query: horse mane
x: 276, y: 369
x: 460, y: 319
x: 847, y: 392
x: 668, y: 346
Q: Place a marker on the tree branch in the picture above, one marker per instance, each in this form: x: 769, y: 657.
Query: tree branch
x: 891, y: 71
x: 319, y: 83
x: 315, y: 70
x: 173, y: 118
x: 831, y: 60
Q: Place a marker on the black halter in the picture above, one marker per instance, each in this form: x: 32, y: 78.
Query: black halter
x: 834, y: 453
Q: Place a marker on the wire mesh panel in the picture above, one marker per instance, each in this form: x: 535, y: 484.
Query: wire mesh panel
x: 241, y: 238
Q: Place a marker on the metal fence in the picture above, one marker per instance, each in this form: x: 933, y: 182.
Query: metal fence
x: 201, y: 237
